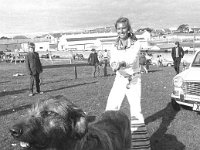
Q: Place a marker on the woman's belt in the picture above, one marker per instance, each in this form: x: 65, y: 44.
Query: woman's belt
x: 125, y: 74
x: 130, y: 78
x: 135, y: 73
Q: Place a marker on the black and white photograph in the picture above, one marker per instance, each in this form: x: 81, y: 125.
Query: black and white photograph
x: 100, y: 75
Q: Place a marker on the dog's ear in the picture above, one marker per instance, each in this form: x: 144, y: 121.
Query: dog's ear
x: 80, y: 127
x: 79, y: 122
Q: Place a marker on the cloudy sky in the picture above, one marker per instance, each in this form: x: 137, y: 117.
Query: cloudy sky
x: 29, y: 16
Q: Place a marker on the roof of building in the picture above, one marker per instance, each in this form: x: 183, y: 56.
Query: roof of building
x: 190, y: 44
x: 140, y: 33
x: 87, y: 38
x: 166, y: 45
x: 10, y: 47
x: 184, y: 34
x: 19, y: 41
x: 20, y: 37
x: 56, y: 35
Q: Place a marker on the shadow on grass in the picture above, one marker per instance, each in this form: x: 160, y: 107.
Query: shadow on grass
x: 13, y: 110
x: 155, y: 70
x: 24, y: 90
x: 159, y: 139
x: 49, y: 82
x: 4, y: 82
x: 12, y: 92
x: 70, y: 86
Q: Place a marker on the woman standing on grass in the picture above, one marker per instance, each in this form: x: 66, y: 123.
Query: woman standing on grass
x: 125, y: 62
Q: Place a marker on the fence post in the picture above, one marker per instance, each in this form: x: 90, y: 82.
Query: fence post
x: 75, y: 71
x: 105, y: 67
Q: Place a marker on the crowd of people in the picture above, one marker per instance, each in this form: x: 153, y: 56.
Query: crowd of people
x: 98, y: 60
x: 10, y: 58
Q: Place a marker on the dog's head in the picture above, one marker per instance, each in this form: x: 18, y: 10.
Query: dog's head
x: 49, y: 123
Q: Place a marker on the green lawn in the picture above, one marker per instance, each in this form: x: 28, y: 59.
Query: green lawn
x: 169, y: 130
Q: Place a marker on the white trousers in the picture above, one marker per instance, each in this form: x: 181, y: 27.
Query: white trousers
x: 119, y: 91
x: 140, y: 136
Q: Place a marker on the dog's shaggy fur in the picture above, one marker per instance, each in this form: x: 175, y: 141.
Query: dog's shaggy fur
x: 57, y: 124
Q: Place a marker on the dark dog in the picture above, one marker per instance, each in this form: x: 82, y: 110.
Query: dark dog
x: 57, y: 124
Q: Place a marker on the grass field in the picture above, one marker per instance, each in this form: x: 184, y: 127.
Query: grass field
x: 169, y: 130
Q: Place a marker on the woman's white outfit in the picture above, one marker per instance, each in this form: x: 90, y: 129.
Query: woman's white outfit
x: 128, y: 83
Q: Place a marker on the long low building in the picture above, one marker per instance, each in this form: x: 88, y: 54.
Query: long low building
x: 22, y: 44
x: 85, y: 41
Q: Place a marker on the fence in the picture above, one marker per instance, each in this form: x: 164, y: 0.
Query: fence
x: 56, y: 60
x: 67, y: 65
x: 75, y: 67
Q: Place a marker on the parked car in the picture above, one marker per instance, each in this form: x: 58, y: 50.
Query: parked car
x: 78, y: 57
x: 44, y: 56
x: 167, y: 63
x: 187, y: 86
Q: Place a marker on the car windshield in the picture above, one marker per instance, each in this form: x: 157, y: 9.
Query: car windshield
x: 196, y: 62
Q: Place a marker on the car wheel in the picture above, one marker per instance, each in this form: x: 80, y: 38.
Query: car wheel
x: 175, y: 105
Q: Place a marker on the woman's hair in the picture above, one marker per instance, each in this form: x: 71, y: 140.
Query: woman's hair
x: 130, y: 31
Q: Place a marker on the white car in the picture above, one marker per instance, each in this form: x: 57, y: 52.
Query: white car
x: 167, y: 63
x: 187, y: 86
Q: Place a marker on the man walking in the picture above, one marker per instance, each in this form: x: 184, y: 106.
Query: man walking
x: 34, y: 68
x: 177, y: 54
x: 94, y: 61
x: 105, y: 57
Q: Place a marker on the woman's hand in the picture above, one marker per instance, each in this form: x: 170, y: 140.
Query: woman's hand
x: 115, y: 66
x: 122, y: 64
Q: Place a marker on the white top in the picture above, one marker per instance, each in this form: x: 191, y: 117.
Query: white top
x: 105, y: 55
x: 177, y: 52
x: 129, y: 55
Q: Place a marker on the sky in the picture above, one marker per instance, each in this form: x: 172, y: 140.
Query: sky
x: 38, y: 16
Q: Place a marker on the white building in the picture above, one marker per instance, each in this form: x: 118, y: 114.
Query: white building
x: 143, y: 36
x: 22, y: 44
x: 52, y: 38
x: 99, y: 41
x: 85, y: 41
x: 62, y: 43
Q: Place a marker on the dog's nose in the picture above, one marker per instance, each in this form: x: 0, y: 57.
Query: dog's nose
x: 16, y: 132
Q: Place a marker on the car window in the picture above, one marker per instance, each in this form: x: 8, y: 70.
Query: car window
x: 196, y: 61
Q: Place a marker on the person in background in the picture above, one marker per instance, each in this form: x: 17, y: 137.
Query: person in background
x: 143, y: 62
x: 158, y: 60
x: 177, y: 54
x: 148, y: 60
x: 105, y: 56
x: 34, y: 68
x: 161, y: 60
x: 184, y: 65
x: 94, y: 61
x: 124, y: 60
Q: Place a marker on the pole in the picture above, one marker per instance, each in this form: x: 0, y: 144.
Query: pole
x: 194, y: 42
x: 75, y: 71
